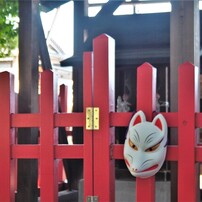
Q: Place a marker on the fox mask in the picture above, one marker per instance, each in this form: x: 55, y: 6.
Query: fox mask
x: 145, y: 145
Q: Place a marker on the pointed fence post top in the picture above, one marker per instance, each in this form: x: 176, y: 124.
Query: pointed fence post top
x: 188, y: 87
x: 146, y: 65
x: 7, y: 77
x: 104, y: 40
x: 146, y: 89
x: 186, y: 65
x: 5, y: 73
x: 102, y: 37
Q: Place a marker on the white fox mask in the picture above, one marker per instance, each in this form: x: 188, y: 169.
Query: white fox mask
x: 145, y: 145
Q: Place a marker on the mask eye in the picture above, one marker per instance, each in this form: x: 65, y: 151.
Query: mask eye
x: 133, y: 146
x: 153, y: 148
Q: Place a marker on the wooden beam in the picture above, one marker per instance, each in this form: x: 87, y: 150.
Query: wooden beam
x: 28, y: 96
x: 108, y: 8
x: 184, y: 46
x: 76, y: 169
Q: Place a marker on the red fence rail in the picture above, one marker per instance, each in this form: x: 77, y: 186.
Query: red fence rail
x: 98, y: 150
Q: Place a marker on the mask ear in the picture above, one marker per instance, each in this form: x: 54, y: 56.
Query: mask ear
x: 160, y: 122
x: 138, y: 117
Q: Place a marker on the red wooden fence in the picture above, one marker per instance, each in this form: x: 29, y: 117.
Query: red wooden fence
x: 99, y: 150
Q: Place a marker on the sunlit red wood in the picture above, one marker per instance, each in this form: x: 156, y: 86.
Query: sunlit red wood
x: 104, y: 92
x: 188, y: 99
x: 146, y: 101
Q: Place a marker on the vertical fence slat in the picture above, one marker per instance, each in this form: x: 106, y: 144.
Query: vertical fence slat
x: 7, y: 169
x: 48, y: 138
x: 88, y: 139
x: 63, y: 97
x: 146, y: 100
x: 188, y: 105
x: 104, y: 77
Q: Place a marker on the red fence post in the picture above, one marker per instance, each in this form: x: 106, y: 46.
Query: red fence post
x: 188, y: 104
x: 7, y: 138
x: 88, y: 134
x: 48, y: 138
x: 146, y: 101
x: 104, y: 77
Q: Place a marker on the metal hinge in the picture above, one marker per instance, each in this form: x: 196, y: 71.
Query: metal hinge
x: 92, y: 118
x: 92, y: 199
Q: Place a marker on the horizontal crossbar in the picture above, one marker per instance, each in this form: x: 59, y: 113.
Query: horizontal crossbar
x: 76, y: 152
x: 117, y: 119
x: 172, y: 153
x: 60, y: 151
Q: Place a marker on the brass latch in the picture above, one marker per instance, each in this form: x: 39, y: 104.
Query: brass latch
x: 92, y: 118
x: 92, y: 199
